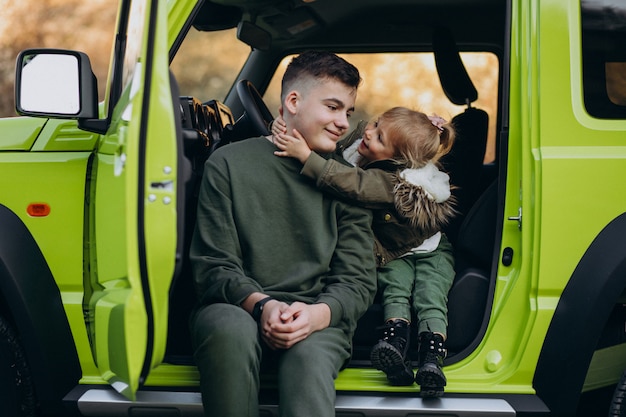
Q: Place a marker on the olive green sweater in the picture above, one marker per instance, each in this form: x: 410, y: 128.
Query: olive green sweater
x: 262, y: 226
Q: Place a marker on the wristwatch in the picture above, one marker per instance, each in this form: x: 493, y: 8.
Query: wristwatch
x: 258, y: 308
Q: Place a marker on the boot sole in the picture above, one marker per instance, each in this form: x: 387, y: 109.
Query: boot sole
x: 431, y: 381
x: 388, y: 359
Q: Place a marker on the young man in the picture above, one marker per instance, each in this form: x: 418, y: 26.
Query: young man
x: 282, y: 270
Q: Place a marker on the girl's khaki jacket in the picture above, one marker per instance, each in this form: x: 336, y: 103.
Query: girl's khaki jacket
x: 404, y: 213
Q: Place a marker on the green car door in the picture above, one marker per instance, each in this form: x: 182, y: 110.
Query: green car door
x: 132, y: 216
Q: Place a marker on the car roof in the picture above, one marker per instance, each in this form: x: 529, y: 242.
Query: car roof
x: 358, y: 26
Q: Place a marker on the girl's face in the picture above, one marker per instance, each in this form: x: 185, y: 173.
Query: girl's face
x: 376, y: 145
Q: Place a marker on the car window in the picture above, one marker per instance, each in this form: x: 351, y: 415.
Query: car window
x: 389, y: 79
x: 213, y: 79
x: 604, y: 57
x: 410, y: 80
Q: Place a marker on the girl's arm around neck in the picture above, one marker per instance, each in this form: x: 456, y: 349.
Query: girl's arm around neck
x: 369, y: 188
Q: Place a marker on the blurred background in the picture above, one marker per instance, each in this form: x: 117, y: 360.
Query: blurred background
x: 68, y: 24
x: 88, y: 26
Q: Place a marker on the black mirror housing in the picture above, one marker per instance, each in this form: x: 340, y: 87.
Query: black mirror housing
x: 55, y: 83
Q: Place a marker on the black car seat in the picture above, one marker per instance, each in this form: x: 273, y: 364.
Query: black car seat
x: 465, y: 161
x: 473, y: 254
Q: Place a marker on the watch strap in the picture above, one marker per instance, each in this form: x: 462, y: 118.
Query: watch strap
x: 258, y: 308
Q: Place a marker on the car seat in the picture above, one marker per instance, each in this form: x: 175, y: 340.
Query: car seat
x: 473, y: 256
x: 464, y: 163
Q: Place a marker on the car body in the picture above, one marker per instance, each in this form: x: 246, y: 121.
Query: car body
x: 97, y: 203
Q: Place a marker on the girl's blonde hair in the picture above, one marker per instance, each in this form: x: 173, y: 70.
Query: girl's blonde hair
x: 417, y: 139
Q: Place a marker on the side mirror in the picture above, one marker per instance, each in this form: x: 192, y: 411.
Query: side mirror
x: 55, y: 83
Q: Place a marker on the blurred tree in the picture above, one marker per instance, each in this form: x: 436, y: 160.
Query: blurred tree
x: 198, y: 76
x: 86, y: 26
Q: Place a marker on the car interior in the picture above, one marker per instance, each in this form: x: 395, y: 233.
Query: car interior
x: 276, y: 28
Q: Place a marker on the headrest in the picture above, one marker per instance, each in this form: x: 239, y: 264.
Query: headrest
x: 455, y: 81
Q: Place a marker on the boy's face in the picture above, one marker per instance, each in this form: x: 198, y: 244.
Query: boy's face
x: 320, y: 113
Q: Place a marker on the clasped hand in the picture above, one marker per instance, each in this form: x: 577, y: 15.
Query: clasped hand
x: 283, y: 325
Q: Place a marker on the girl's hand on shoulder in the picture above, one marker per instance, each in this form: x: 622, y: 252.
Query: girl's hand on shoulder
x: 292, y: 146
x: 278, y: 126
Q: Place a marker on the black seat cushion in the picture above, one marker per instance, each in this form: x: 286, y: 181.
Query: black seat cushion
x: 474, y: 252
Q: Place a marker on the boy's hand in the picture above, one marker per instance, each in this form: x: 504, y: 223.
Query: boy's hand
x: 292, y: 146
x: 289, y: 324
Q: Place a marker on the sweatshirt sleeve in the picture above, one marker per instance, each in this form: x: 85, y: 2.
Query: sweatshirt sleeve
x: 369, y: 188
x: 351, y: 282
x: 215, y: 252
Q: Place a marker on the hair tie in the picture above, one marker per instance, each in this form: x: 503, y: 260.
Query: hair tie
x: 437, y: 121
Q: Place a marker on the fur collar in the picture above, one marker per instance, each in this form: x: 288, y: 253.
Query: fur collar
x: 423, y: 197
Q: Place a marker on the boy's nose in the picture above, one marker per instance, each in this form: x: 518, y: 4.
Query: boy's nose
x: 342, y: 121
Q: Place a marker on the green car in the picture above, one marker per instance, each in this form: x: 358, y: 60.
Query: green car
x: 97, y: 198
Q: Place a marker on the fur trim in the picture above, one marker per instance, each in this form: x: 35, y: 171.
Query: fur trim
x: 421, y: 209
x: 435, y: 183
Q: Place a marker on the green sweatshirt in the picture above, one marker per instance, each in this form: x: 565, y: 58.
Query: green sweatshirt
x: 262, y: 226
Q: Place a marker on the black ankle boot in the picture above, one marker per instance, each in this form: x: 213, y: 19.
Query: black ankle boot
x: 390, y: 353
x: 429, y: 376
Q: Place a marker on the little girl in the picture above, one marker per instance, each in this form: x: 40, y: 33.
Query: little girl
x: 395, y: 174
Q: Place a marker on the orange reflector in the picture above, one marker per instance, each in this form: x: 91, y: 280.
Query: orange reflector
x: 38, y: 209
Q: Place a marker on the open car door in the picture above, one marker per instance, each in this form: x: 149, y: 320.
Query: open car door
x: 133, y: 211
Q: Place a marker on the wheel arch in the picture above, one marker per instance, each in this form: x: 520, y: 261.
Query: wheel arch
x: 31, y: 301
x: 584, y: 307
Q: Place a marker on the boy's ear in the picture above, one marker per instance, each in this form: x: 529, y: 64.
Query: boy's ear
x: 291, y: 102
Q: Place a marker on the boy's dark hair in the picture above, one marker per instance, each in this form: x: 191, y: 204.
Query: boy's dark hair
x: 320, y: 64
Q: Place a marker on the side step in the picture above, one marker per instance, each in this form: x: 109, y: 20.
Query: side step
x: 102, y: 401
